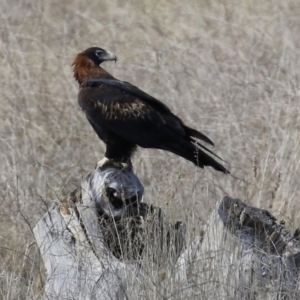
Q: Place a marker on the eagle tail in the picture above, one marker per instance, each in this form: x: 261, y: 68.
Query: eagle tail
x: 198, y: 135
x: 194, y: 154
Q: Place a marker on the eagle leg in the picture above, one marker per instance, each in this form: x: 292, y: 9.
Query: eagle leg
x: 109, y: 162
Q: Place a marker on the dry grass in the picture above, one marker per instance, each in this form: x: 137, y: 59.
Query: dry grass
x: 229, y: 69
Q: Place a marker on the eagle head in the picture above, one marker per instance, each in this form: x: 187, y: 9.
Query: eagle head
x: 87, y: 64
x: 98, y: 55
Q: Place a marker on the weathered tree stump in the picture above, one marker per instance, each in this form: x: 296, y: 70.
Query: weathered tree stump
x: 78, y: 263
x: 245, y: 254
x: 91, y: 244
x: 94, y: 246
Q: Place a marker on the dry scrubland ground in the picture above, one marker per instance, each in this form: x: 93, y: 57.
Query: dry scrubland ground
x: 230, y: 70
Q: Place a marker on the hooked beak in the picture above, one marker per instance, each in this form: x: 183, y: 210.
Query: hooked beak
x: 110, y: 56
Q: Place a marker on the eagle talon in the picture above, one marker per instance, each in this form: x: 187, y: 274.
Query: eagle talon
x: 106, y: 161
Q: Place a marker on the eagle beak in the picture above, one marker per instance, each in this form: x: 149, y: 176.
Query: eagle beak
x: 110, y: 56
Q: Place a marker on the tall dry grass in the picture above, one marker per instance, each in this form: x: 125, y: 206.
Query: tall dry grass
x: 229, y: 69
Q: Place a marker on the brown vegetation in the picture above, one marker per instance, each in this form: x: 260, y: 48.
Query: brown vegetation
x: 235, y: 63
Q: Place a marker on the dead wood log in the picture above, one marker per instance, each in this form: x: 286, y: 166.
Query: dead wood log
x: 71, y: 242
x: 245, y: 254
x: 92, y: 242
x: 94, y: 245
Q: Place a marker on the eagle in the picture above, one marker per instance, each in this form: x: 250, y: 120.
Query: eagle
x: 125, y: 117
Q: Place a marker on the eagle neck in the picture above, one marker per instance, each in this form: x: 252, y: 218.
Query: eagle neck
x: 85, y: 69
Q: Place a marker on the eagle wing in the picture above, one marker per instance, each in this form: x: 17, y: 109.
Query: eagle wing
x: 126, y: 110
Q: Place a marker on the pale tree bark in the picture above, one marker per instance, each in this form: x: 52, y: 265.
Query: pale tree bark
x: 78, y: 263
x: 245, y: 254
x: 100, y: 242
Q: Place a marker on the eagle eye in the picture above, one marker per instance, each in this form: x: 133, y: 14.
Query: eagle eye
x: 99, y: 52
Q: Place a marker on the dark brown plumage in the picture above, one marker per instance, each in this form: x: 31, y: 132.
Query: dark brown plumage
x: 125, y: 117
